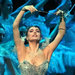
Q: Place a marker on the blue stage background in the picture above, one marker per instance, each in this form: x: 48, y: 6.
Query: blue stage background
x: 63, y: 58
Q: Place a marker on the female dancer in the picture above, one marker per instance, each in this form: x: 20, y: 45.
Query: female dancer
x: 33, y: 60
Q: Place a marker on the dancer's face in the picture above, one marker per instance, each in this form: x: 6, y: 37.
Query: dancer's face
x: 34, y: 34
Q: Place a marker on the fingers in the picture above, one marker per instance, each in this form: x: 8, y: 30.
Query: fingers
x: 31, y: 8
x: 59, y: 12
x: 34, y: 8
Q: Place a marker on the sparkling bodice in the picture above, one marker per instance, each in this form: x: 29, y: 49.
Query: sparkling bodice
x: 29, y: 69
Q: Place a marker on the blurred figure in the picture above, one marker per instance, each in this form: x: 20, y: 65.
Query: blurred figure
x: 6, y: 20
x: 6, y: 8
x: 6, y: 35
x: 2, y: 33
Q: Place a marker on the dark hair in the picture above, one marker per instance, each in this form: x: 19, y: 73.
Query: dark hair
x: 30, y: 27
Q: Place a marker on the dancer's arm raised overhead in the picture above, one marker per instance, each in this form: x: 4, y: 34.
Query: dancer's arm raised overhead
x: 18, y: 42
x: 61, y: 31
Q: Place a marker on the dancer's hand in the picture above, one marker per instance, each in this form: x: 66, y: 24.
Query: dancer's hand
x: 59, y: 12
x: 31, y: 8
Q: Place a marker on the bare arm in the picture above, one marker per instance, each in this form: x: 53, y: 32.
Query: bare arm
x: 51, y: 47
x: 17, y: 39
x: 16, y: 28
x: 18, y: 42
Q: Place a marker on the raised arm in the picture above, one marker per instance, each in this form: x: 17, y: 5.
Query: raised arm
x: 18, y: 42
x: 51, y: 47
x: 16, y: 32
x: 17, y: 39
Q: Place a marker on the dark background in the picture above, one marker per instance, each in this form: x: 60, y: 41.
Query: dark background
x: 51, y: 4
